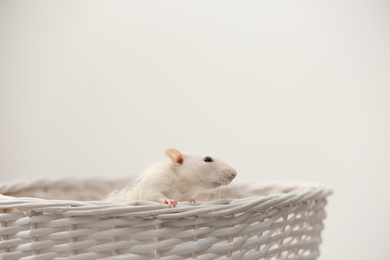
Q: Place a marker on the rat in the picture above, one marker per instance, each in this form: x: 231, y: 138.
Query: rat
x: 178, y: 178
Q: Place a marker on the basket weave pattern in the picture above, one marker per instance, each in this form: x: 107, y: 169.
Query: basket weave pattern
x: 267, y: 221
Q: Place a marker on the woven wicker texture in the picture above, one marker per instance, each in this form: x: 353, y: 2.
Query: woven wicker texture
x: 258, y: 221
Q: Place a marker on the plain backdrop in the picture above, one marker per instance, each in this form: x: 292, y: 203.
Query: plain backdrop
x: 278, y: 89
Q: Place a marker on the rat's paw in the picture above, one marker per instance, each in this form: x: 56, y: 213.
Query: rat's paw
x: 171, y: 203
x: 191, y: 200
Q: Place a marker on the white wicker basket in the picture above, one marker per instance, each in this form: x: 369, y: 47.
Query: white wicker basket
x: 259, y: 221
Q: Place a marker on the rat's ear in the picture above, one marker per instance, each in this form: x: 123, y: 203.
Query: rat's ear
x: 175, y: 156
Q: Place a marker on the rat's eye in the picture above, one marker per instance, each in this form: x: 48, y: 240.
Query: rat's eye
x: 207, y: 159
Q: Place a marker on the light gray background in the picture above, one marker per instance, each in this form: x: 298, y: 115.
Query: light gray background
x: 280, y: 90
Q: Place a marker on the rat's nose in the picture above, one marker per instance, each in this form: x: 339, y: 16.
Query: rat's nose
x: 229, y: 173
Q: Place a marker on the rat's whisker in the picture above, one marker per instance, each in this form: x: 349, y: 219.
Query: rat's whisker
x: 221, y: 192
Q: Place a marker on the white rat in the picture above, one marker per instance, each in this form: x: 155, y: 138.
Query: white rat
x: 179, y: 178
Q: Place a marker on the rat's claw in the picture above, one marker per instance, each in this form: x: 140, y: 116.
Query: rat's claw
x: 171, y: 203
x: 192, y: 200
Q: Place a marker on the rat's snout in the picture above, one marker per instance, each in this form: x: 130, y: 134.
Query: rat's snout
x: 226, y: 175
x: 230, y: 173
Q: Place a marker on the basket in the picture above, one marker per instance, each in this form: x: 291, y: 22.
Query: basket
x: 278, y: 220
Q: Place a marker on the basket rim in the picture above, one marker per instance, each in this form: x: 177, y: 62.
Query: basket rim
x: 298, y: 192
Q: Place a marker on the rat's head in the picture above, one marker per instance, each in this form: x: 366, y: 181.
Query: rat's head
x: 207, y: 171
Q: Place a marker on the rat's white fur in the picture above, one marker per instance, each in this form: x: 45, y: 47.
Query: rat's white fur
x: 175, y: 181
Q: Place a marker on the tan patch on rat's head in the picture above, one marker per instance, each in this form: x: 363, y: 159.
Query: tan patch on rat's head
x: 175, y: 155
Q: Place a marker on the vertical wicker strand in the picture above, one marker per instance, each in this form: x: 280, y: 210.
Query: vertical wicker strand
x: 72, y: 239
x: 4, y: 237
x: 34, y: 226
x: 282, y: 230
x: 229, y: 240
x: 315, y: 225
x: 194, y: 254
x: 114, y: 252
x: 157, y: 253
x: 301, y: 227
x: 259, y: 234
